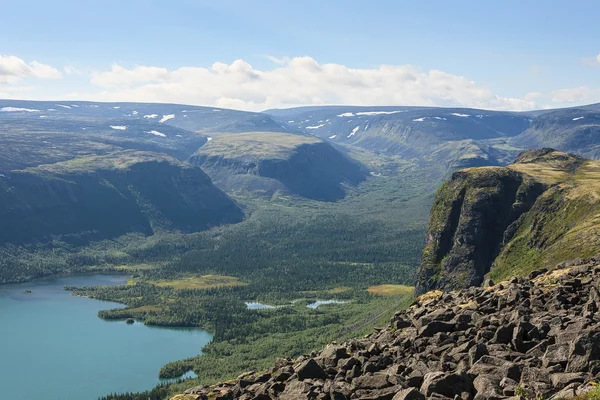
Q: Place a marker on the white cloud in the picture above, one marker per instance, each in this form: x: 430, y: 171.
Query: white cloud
x: 577, y: 94
x: 119, y: 76
x: 279, y: 61
x: 12, y: 69
x: 71, y: 70
x: 296, y: 81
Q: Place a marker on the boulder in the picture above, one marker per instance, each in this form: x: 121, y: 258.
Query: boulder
x: 496, y: 368
x: 310, y: 369
x: 448, y: 385
x: 436, y: 327
x: 583, y: 351
x: 409, y: 394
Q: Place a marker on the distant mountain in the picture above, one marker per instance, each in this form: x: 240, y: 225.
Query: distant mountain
x: 268, y: 162
x: 106, y: 196
x: 575, y: 130
x: 191, y: 118
x: 409, y: 131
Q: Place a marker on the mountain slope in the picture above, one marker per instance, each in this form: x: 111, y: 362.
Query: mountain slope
x: 575, y: 130
x: 107, y: 196
x: 505, y: 221
x: 267, y: 162
x: 192, y: 118
x: 402, y: 130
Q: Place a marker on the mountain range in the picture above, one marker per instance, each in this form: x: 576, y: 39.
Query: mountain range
x: 213, y: 166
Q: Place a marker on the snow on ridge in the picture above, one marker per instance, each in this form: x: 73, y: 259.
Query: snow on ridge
x: 315, y: 127
x: 151, y: 116
x: 354, y: 131
x: 156, y: 133
x: 216, y: 110
x: 332, y: 136
x: 119, y: 127
x: 461, y: 115
x: 577, y: 119
x: 290, y: 122
x: 208, y: 139
x: 441, y: 118
x: 166, y: 117
x: 178, y: 135
x: 74, y: 105
x: 134, y: 112
x: 370, y: 113
x: 419, y: 119
x: 43, y: 116
x: 63, y: 106
x: 116, y: 107
x: 18, y: 109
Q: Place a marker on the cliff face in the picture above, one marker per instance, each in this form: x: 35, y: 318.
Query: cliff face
x: 109, y: 197
x: 506, y: 221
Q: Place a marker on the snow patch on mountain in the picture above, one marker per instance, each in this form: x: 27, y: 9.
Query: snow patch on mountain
x: 166, y: 117
x: 354, y: 131
x: 156, y: 133
x: 17, y: 109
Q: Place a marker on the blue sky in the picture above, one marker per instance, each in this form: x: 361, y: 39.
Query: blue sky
x: 505, y: 55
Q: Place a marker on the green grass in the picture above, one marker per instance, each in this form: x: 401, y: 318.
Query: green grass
x: 113, y: 161
x: 255, y: 144
x: 391, y: 290
x: 194, y: 282
x: 563, y: 224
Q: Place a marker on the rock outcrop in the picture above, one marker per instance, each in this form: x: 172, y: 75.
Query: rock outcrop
x: 508, y: 221
x: 522, y: 338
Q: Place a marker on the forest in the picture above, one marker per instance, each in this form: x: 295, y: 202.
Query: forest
x: 287, y: 252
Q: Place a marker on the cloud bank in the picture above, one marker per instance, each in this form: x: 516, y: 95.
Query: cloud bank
x: 297, y: 81
x: 13, y: 69
x: 288, y: 82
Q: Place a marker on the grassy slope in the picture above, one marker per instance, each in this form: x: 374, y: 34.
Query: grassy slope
x: 563, y: 224
x: 255, y: 144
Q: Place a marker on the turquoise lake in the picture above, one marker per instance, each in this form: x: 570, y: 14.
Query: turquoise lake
x: 53, y: 346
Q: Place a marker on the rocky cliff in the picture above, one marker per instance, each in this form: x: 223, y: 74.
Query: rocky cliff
x: 509, y: 221
x: 525, y: 338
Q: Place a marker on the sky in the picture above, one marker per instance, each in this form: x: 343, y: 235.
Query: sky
x: 261, y: 54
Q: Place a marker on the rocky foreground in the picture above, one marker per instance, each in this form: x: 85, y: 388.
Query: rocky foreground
x: 535, y: 337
